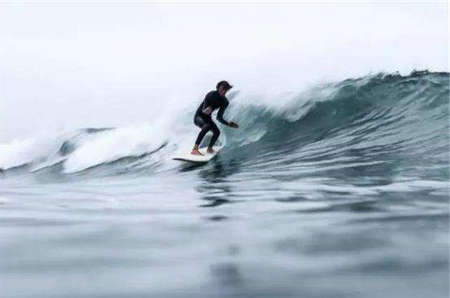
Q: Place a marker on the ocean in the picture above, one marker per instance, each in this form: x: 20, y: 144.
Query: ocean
x: 340, y: 190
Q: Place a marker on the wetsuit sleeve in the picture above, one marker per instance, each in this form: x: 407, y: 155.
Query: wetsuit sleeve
x: 220, y: 114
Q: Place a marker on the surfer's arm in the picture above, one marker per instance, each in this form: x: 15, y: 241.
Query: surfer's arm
x: 220, y: 115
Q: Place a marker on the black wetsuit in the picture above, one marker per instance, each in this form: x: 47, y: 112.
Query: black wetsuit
x: 215, y: 101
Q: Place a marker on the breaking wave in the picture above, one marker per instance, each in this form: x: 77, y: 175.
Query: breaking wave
x: 395, y: 123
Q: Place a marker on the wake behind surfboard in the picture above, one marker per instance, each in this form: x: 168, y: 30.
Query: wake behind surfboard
x: 206, y: 157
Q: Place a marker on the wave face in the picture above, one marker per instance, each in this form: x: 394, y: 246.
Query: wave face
x: 366, y: 129
x: 384, y: 126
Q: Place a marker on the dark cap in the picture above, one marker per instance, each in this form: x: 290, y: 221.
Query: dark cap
x: 225, y: 84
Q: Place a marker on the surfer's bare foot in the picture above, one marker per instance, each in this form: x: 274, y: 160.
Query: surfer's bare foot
x: 195, y: 152
x: 210, y: 150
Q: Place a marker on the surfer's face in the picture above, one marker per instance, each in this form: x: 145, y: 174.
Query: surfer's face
x: 222, y: 90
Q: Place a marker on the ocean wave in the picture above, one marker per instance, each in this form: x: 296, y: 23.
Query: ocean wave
x: 386, y: 118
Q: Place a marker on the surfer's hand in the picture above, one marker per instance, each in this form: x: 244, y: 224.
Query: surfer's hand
x: 233, y: 124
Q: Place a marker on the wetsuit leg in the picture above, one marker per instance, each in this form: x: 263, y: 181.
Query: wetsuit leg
x: 204, y: 125
x: 216, y: 133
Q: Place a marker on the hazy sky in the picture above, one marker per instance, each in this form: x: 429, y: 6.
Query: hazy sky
x: 71, y: 65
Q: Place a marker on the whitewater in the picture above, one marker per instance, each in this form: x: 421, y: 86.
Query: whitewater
x: 339, y: 188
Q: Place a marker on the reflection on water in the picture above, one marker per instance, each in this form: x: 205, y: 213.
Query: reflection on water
x: 214, y: 201
x: 227, y: 275
x: 265, y: 237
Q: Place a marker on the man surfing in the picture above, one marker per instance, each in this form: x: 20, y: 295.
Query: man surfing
x: 213, y: 100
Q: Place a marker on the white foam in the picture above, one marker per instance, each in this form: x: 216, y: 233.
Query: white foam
x: 24, y: 151
x: 115, y: 144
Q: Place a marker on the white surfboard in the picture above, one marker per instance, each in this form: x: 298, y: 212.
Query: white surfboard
x: 198, y: 158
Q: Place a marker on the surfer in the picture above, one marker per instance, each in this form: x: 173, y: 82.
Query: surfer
x: 213, y: 100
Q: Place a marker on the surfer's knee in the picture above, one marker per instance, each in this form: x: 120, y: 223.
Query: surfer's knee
x: 206, y: 128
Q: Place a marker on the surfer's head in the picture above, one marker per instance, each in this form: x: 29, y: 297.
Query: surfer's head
x: 222, y: 87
